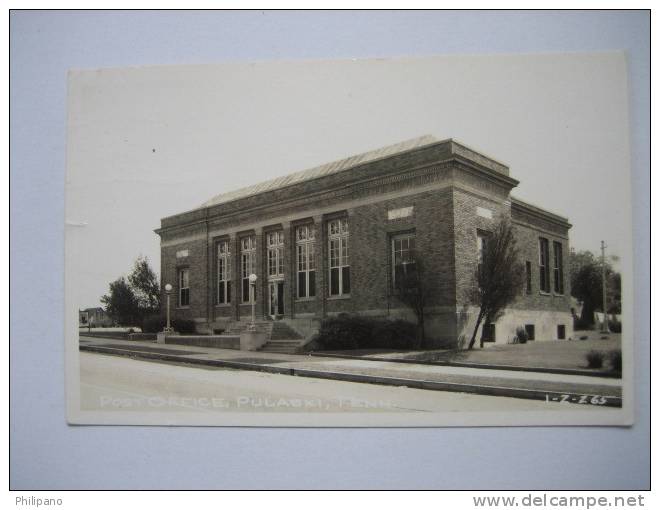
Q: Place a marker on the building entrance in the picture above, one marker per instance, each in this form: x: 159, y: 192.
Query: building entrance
x: 276, y: 298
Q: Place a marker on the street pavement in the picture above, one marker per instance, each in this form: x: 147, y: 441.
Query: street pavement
x: 120, y: 383
x: 536, y: 385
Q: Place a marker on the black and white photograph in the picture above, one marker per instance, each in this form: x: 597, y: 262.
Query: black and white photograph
x: 365, y: 251
x: 366, y: 242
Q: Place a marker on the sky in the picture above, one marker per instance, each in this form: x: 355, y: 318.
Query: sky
x: 148, y: 142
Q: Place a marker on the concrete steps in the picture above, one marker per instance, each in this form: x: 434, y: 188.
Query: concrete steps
x: 282, y: 337
x: 282, y: 331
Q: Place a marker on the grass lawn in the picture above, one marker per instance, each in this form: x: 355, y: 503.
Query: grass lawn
x: 544, y: 354
x: 547, y: 354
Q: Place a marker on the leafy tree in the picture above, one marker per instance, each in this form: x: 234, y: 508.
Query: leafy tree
x: 121, y: 303
x: 131, y: 300
x: 145, y: 286
x: 412, y: 292
x: 499, y: 277
x: 587, y: 285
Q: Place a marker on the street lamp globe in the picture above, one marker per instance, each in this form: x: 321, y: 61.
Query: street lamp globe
x: 168, y: 287
x: 253, y: 278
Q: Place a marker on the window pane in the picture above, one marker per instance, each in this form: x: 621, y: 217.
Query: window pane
x: 334, y: 281
x: 346, y: 280
x: 312, y: 283
x: 300, y: 257
x: 334, y: 253
x: 398, y: 271
x: 221, y: 293
x: 302, y: 292
x: 228, y: 292
x: 246, y: 290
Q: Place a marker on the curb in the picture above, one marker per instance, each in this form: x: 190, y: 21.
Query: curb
x: 497, y: 391
x: 458, y: 364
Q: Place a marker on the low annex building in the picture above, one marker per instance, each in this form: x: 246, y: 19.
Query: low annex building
x: 332, y: 239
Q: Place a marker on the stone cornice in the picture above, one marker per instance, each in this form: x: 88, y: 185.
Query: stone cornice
x: 367, y: 187
x: 538, y: 213
x: 358, y: 176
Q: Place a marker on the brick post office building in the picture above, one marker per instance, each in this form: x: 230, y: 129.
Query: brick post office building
x: 332, y: 239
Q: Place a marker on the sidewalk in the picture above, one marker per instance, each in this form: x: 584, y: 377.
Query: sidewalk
x: 509, y: 383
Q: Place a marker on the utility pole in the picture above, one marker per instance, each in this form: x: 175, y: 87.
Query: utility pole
x: 604, y: 327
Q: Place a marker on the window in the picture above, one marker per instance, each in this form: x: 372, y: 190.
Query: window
x: 275, y: 244
x: 340, y: 274
x: 482, y: 243
x: 558, y: 268
x: 224, y: 273
x: 248, y: 254
x: 305, y: 262
x: 403, y: 256
x: 561, y: 332
x: 528, y: 277
x: 529, y: 328
x: 489, y: 332
x: 544, y: 268
x: 184, y: 287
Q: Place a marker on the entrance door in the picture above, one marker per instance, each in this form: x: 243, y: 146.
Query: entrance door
x: 276, y: 298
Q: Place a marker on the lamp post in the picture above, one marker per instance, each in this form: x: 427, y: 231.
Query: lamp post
x: 253, y: 284
x: 168, y: 291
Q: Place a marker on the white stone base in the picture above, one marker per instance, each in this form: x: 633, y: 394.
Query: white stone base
x: 160, y: 337
x: 545, y: 325
x: 252, y: 340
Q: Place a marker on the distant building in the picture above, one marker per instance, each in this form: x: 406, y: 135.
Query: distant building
x: 334, y: 239
x: 95, y: 317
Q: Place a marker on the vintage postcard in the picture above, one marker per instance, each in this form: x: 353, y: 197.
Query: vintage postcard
x: 436, y: 241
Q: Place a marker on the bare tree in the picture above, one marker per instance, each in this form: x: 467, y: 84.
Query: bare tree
x: 411, y: 290
x: 498, y: 278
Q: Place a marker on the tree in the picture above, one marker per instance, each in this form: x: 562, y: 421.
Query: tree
x: 121, y: 303
x: 587, y: 285
x: 498, y: 278
x: 411, y: 291
x: 145, y: 286
x: 129, y: 302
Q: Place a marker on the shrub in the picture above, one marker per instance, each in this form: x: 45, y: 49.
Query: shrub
x: 156, y: 324
x: 397, y: 334
x: 183, y: 326
x: 153, y: 324
x: 346, y: 332
x: 521, y: 335
x: 615, y: 326
x: 580, y: 325
x: 595, y: 359
x: 616, y: 360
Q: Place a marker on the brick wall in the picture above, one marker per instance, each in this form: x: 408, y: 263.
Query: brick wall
x: 468, y: 222
x: 527, y: 238
x: 450, y: 202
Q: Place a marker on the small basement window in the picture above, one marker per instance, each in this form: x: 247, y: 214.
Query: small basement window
x: 561, y: 332
x: 489, y: 332
x: 529, y: 328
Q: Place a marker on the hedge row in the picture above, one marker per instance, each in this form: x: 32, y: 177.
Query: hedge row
x: 355, y: 332
x: 156, y: 324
